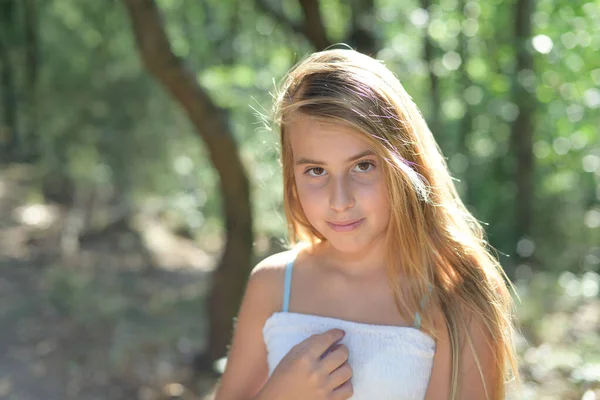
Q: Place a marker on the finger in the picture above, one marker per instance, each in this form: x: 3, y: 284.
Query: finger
x: 345, y: 391
x: 339, y: 377
x: 337, y: 356
x: 317, y: 344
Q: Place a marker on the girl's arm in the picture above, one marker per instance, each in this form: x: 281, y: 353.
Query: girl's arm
x: 246, y: 371
x: 471, y: 382
x: 304, y: 373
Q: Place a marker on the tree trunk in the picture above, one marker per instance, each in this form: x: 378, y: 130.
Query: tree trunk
x: 466, y: 122
x: 522, y: 128
x: 30, y: 149
x: 311, y: 28
x: 362, y: 36
x: 313, y: 24
x: 428, y: 53
x: 9, y: 139
x: 230, y: 277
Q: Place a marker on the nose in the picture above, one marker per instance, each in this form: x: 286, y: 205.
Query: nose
x: 341, y: 197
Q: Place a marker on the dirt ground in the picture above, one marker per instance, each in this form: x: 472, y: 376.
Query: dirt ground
x: 121, y: 319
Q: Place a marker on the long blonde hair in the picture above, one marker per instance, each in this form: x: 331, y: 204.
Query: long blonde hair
x: 441, y: 243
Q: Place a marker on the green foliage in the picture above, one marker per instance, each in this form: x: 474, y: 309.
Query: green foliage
x: 104, y: 123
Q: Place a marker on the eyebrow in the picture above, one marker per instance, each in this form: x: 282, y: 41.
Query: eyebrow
x: 304, y: 161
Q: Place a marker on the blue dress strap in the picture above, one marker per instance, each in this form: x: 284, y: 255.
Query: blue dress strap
x: 287, y: 285
x: 417, y: 323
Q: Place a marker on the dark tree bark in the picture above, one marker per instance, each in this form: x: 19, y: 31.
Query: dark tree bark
x: 466, y: 123
x: 312, y: 26
x: 434, y: 119
x: 522, y: 128
x: 31, y: 151
x: 9, y: 139
x: 230, y: 277
x: 362, y: 36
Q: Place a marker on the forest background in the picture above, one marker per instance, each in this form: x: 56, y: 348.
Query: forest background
x: 139, y: 182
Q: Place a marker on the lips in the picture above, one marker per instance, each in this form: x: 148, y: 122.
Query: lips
x: 345, y: 226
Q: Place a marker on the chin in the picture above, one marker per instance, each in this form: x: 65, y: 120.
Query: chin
x: 353, y: 243
x: 348, y: 244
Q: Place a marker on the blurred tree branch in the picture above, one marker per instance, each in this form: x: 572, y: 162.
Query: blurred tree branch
x: 361, y: 35
x: 362, y: 30
x: 522, y: 127
x: 9, y: 134
x: 32, y: 56
x: 312, y: 27
x: 466, y: 122
x: 435, y: 119
x: 313, y: 24
x: 230, y: 276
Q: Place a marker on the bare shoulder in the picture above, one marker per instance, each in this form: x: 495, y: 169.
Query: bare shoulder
x: 262, y: 297
x: 267, y: 277
x: 274, y: 263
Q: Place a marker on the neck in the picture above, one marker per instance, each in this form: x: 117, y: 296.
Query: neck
x: 369, y: 262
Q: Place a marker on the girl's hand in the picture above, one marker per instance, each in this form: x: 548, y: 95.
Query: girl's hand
x: 307, y: 373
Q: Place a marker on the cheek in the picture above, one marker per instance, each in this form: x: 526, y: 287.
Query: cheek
x: 367, y: 186
x: 374, y: 197
x: 312, y: 196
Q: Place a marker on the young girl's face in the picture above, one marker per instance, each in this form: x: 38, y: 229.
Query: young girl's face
x: 340, y: 183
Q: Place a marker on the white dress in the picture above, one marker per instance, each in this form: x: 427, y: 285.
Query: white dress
x: 388, y: 362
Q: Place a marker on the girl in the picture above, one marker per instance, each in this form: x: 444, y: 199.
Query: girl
x: 389, y: 291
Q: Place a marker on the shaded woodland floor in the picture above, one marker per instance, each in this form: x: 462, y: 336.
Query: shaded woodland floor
x: 121, y: 320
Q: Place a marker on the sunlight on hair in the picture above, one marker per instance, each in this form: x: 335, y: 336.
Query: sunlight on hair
x: 441, y: 243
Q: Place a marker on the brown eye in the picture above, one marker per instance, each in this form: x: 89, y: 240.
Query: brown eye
x: 317, y: 171
x: 365, y: 166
